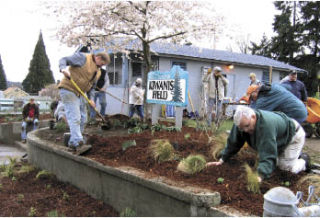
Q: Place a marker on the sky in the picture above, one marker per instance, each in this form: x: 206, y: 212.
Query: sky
x: 21, y: 22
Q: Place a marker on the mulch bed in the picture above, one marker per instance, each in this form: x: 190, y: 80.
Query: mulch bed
x: 17, y: 198
x: 108, y: 151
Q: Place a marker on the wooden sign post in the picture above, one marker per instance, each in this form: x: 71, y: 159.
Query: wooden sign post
x: 169, y: 88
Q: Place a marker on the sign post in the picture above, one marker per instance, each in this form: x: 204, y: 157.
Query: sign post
x: 169, y: 88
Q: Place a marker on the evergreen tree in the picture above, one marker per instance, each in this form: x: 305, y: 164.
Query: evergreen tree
x: 286, y: 43
x: 3, y: 78
x: 263, y: 49
x: 40, y: 73
x: 177, y: 91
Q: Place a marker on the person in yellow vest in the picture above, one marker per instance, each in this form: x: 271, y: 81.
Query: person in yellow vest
x: 84, y: 69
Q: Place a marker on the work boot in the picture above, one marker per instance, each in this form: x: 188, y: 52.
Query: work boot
x: 81, y: 149
x: 66, y: 138
x: 307, y: 159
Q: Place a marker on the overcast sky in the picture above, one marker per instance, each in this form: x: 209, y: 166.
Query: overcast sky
x: 21, y: 22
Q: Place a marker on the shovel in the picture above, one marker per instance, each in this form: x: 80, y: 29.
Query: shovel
x: 103, y: 127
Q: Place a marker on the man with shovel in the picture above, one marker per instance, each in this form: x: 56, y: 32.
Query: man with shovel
x: 80, y: 71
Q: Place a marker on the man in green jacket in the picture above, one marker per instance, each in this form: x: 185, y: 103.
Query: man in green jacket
x: 277, y: 138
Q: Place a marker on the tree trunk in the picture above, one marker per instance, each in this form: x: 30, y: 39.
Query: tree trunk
x: 147, y: 59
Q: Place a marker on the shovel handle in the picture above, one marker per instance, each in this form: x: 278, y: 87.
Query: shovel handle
x: 86, y: 97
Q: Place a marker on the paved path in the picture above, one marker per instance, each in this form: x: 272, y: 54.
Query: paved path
x: 7, y: 151
x: 312, y: 147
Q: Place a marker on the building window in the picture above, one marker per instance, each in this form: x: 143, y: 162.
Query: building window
x: 183, y: 65
x: 136, y: 69
x: 265, y: 76
x: 114, y: 78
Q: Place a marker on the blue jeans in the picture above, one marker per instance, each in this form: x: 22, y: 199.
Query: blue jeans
x: 212, y: 109
x: 139, y: 109
x: 35, y: 125
x: 76, y: 114
x: 103, y: 103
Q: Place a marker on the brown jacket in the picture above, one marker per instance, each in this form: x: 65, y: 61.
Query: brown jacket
x: 84, y: 76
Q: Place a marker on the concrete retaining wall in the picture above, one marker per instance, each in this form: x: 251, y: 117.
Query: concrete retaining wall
x: 11, y: 132
x: 122, y: 187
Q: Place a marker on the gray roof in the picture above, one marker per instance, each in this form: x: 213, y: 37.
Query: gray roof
x: 218, y: 55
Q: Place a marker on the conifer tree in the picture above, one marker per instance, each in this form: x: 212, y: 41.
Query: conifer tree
x: 3, y: 78
x: 40, y: 73
x: 177, y: 91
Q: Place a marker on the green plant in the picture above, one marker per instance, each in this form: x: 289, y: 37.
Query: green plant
x: 1, y: 186
x: 189, y: 123
x: 47, y: 186
x: 253, y: 184
x: 187, y: 136
x: 286, y: 183
x: 218, y: 143
x: 128, y: 212
x: 32, y: 211
x: 172, y: 129
x: 220, y: 180
x: 2, y: 167
x: 125, y: 145
x: 61, y: 127
x: 20, y: 197
x: 13, y: 178
x: 162, y: 150
x: 192, y: 164
x: 133, y: 130
x: 26, y: 169
x: 65, y: 196
x: 43, y: 174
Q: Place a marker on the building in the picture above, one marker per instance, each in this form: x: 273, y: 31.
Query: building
x: 124, y: 69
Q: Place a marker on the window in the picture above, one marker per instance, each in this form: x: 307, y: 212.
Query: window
x: 265, y: 76
x: 183, y: 65
x: 114, y: 78
x: 136, y: 69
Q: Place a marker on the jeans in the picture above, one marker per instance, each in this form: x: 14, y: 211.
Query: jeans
x: 76, y: 114
x: 35, y: 125
x: 139, y: 109
x: 211, y: 107
x: 103, y: 103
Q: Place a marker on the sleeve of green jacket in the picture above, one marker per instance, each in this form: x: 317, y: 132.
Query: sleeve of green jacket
x: 267, y: 150
x: 234, y: 143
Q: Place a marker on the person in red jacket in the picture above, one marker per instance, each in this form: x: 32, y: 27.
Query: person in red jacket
x: 30, y: 115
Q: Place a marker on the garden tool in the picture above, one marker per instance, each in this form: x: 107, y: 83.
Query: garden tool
x: 115, y: 97
x: 105, y: 126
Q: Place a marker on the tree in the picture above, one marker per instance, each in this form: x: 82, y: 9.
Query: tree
x: 40, y: 73
x: 286, y: 43
x: 148, y: 21
x: 263, y: 49
x: 3, y: 78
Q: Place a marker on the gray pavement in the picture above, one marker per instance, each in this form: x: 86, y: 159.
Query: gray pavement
x: 7, y: 151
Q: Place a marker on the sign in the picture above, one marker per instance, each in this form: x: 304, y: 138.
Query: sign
x: 170, y: 88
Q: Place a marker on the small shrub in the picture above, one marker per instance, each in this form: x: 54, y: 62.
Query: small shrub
x: 192, y: 164
x: 65, y: 196
x: 127, y: 144
x: 253, y: 184
x: 162, y: 150
x: 1, y: 186
x: 128, y: 212
x: 32, y: 211
x: 53, y: 213
x: 190, y: 123
x: 61, y: 127
x: 26, y: 169
x: 187, y: 136
x: 43, y: 174
x: 47, y: 186
x: 2, y: 167
x: 20, y: 197
x: 220, y: 180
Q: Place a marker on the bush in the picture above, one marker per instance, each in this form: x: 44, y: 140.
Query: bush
x: 192, y: 164
x: 162, y: 150
x: 253, y: 184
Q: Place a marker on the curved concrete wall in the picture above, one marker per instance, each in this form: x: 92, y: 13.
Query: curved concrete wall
x: 122, y: 187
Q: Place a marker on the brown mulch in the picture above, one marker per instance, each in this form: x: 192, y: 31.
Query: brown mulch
x: 17, y: 198
x: 108, y: 151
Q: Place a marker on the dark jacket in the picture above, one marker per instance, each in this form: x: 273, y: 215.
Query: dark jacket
x: 277, y: 98
x: 297, y: 88
x: 26, y: 109
x: 273, y: 132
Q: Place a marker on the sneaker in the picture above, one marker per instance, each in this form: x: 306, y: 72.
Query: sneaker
x: 24, y: 141
x: 306, y: 158
x: 72, y: 148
